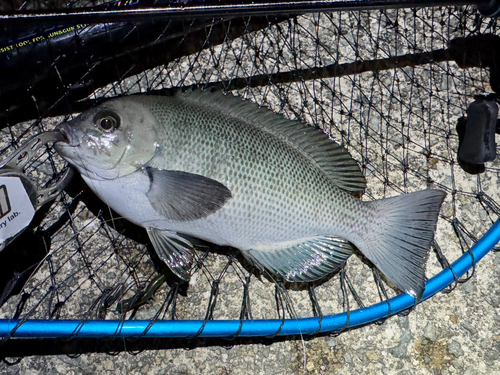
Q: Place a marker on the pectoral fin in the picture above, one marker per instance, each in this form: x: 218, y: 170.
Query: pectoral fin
x: 306, y: 261
x: 182, y: 196
x: 175, y: 251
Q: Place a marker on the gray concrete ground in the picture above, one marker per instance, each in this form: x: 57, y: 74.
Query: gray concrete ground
x: 404, y: 116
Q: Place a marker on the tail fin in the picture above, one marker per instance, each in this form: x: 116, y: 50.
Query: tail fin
x: 400, y: 239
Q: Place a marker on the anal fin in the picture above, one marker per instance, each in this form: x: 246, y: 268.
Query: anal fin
x: 175, y: 251
x: 306, y: 261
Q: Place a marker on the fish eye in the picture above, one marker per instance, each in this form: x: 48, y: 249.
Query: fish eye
x: 107, y: 121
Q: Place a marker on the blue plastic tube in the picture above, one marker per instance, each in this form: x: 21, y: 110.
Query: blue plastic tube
x: 228, y: 328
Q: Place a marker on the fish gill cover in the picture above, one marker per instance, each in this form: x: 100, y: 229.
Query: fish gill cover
x: 387, y: 85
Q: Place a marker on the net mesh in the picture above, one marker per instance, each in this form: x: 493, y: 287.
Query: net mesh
x: 389, y: 85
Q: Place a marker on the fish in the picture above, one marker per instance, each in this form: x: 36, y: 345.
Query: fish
x: 209, y: 165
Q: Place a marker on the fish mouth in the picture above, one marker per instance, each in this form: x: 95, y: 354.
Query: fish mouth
x: 69, y: 135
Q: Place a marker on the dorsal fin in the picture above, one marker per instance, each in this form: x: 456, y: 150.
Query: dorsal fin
x: 328, y: 156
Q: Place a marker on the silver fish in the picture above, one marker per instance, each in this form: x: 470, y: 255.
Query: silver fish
x: 221, y: 169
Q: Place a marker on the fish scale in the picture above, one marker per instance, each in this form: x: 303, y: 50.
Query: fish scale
x: 221, y: 169
x: 252, y: 165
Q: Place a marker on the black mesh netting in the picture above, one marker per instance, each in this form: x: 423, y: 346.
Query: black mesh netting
x: 389, y: 85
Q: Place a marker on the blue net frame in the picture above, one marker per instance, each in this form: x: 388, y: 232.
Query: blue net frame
x: 27, y: 328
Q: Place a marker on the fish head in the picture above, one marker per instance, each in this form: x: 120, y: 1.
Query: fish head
x: 110, y: 141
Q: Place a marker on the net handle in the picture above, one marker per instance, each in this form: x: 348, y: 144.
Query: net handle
x: 110, y: 13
